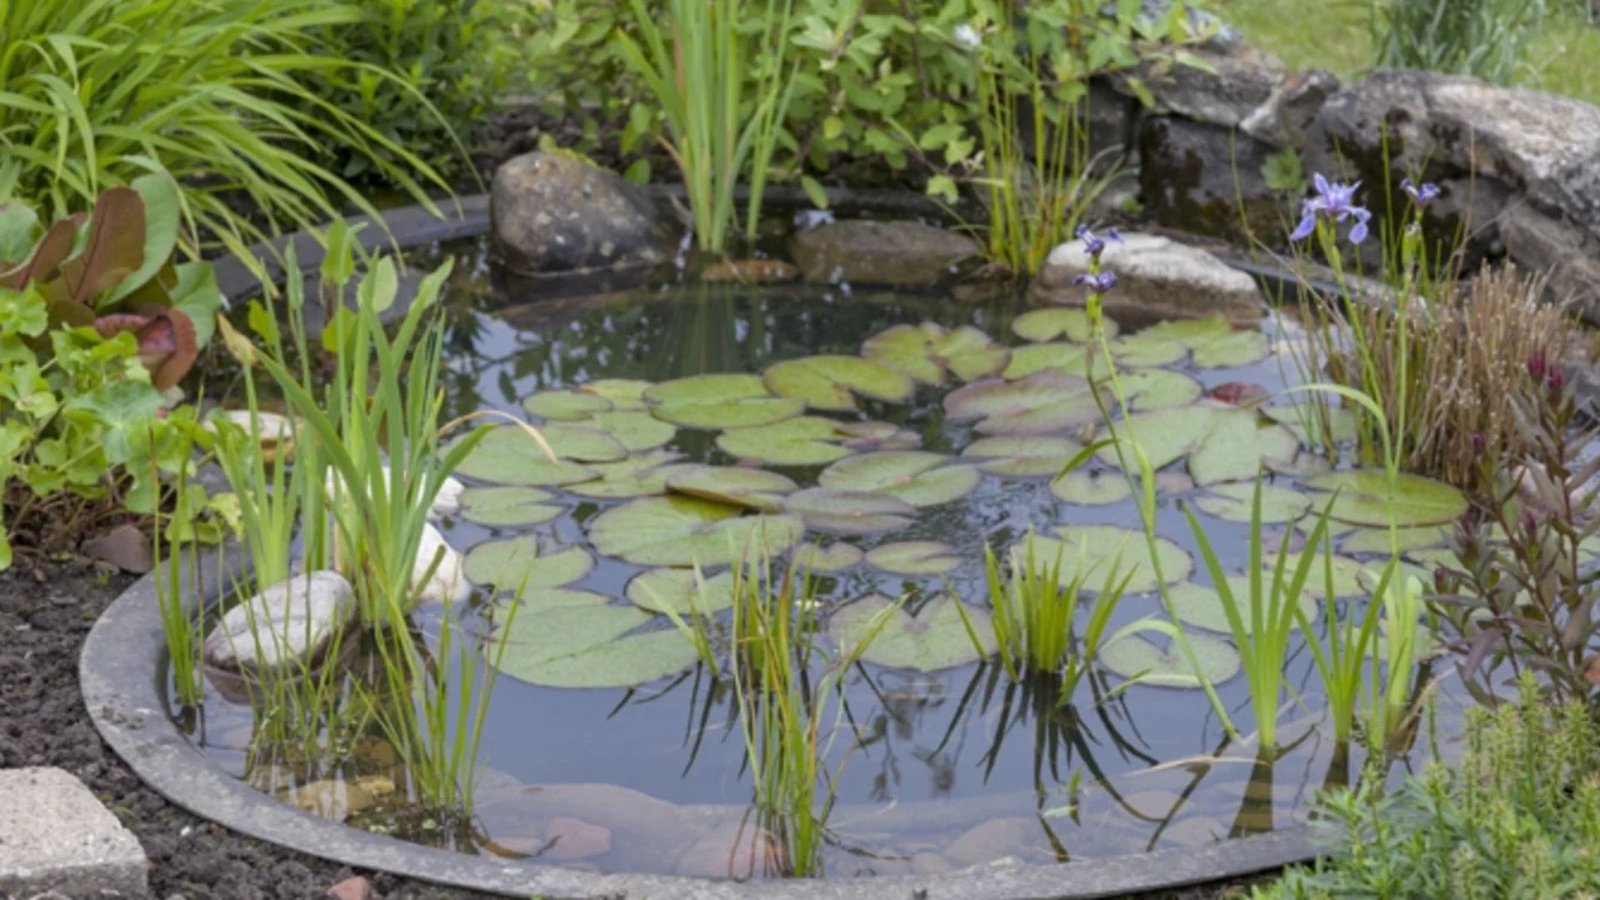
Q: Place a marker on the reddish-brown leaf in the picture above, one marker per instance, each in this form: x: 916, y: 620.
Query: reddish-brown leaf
x: 46, y: 256
x: 115, y: 249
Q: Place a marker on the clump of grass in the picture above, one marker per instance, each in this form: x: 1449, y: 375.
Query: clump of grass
x: 1488, y: 39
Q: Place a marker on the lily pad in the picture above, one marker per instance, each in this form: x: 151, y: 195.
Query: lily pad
x: 917, y: 477
x: 1069, y: 358
x: 878, y: 436
x: 518, y: 563
x: 1188, y: 331
x: 1159, y: 389
x: 927, y: 352
x: 719, y: 401
x: 634, y: 429
x: 1086, y: 488
x: 830, y: 382
x: 1376, y: 540
x: 1349, y: 575
x: 642, y: 475
x: 592, y: 647
x: 624, y: 393
x: 755, y: 489
x: 970, y: 354
x: 1142, y: 350
x: 1366, y: 498
x: 1100, y: 547
x: 1201, y: 606
x: 504, y: 506
x: 835, y: 557
x: 1228, y: 351
x: 1235, y: 503
x: 1237, y: 445
x: 801, y: 441
x: 936, y: 638
x: 1041, y: 403
x: 1135, y: 656
x: 509, y: 455
x: 850, y: 512
x: 914, y: 558
x: 685, y: 531
x: 681, y: 591
x: 565, y: 405
x: 1022, y: 457
x: 1048, y: 324
x: 539, y: 600
x: 1304, y: 420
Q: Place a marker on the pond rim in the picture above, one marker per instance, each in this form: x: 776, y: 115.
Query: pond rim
x: 124, y: 659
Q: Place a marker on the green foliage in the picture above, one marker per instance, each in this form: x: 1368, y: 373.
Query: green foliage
x: 424, y: 72
x: 1518, y: 817
x: 98, y: 92
x: 1489, y: 39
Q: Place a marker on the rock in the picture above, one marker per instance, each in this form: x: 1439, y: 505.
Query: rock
x: 575, y: 839
x: 56, y: 839
x: 734, y: 850
x: 1157, y: 278
x: 993, y: 840
x: 1569, y: 258
x: 1287, y: 116
x: 1196, y: 831
x: 337, y: 799
x: 356, y: 888
x: 288, y: 624
x: 448, y: 581
x: 447, y: 502
x: 930, y: 864
x: 552, y: 212
x: 751, y: 271
x: 277, y: 437
x: 900, y: 254
x: 1207, y: 179
x: 124, y: 546
x: 648, y: 833
x: 1236, y: 80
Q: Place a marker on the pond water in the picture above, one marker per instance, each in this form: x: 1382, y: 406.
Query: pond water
x: 940, y: 765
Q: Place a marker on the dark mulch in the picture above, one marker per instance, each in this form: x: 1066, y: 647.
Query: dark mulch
x: 45, y: 614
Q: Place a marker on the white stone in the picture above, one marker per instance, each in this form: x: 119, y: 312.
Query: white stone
x: 1156, y: 275
x: 288, y: 623
x: 56, y: 839
x: 448, y: 583
x: 447, y: 502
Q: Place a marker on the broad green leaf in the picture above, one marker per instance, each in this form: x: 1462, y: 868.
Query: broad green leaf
x: 835, y: 557
x: 928, y: 351
x: 685, y: 531
x: 1159, y: 389
x: 719, y: 401
x: 505, y: 506
x: 1230, y: 351
x: 877, y: 436
x: 634, y: 429
x: 1042, y: 403
x: 1202, y: 606
x: 1377, y: 539
x: 681, y: 591
x: 1136, y: 656
x: 565, y: 405
x: 936, y: 638
x: 642, y: 475
x: 509, y: 455
x: 1072, y: 359
x: 1086, y: 488
x: 851, y: 512
x: 917, y: 477
x: 1141, y: 351
x: 1040, y: 325
x: 755, y: 489
x: 518, y: 562
x: 829, y: 382
x: 1235, y: 503
x: 1366, y: 498
x: 914, y: 558
x: 1304, y: 420
x: 1096, y: 549
x: 802, y: 441
x: 624, y: 393
x: 1237, y: 445
x: 1022, y: 457
x: 587, y: 646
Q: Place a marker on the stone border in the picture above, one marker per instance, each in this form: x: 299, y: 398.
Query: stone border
x: 122, y: 674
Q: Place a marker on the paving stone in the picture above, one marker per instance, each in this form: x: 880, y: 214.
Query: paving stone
x: 56, y: 837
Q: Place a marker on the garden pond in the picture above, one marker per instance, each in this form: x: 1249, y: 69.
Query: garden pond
x: 884, y: 440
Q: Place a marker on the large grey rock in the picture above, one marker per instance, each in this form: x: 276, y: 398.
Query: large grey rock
x: 1235, y: 80
x: 444, y: 583
x: 649, y: 833
x: 55, y: 836
x: 1157, y: 278
x: 550, y: 212
x: 1207, y: 179
x: 1289, y: 113
x: 288, y: 624
x: 901, y: 254
x: 1566, y: 256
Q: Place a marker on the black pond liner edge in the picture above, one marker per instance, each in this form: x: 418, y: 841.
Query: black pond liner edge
x: 122, y: 674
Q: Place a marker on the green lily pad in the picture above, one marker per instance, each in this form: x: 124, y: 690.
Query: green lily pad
x: 1238, y: 445
x: 1365, y: 498
x: 802, y: 441
x: 518, y: 563
x: 1022, y: 457
x: 1201, y: 606
x: 1159, y: 389
x: 755, y: 489
x: 936, y: 638
x: 681, y: 591
x: 835, y: 557
x: 1235, y: 503
x: 1166, y: 435
x: 830, y: 382
x: 1100, y: 547
x: 1086, y: 488
x: 850, y: 512
x: 1041, y: 403
x: 565, y: 405
x: 592, y: 647
x: 538, y: 600
x: 509, y: 455
x: 643, y: 475
x: 914, y: 558
x: 685, y: 531
x: 1141, y: 351
x: 624, y: 393
x: 878, y: 436
x: 1348, y: 574
x: 1071, y: 323
x: 971, y: 354
x: 926, y: 352
x: 503, y: 506
x: 1136, y: 656
x: 719, y: 401
x: 1376, y: 540
x: 1060, y: 357
x: 1304, y: 421
x: 1188, y: 331
x: 1228, y: 351
x: 634, y: 429
x: 915, y: 476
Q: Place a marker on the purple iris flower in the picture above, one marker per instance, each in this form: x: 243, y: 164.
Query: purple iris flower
x: 1335, y: 202
x: 1093, y: 244
x: 1100, y: 283
x: 1420, y: 195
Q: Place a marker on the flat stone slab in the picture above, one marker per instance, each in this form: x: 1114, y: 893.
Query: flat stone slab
x: 55, y: 836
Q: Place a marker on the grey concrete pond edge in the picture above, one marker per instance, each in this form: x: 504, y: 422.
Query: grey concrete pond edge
x: 123, y: 676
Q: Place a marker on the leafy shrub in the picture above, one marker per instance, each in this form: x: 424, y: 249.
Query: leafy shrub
x: 1485, y: 38
x: 1519, y: 817
x: 425, y: 71
x: 98, y: 92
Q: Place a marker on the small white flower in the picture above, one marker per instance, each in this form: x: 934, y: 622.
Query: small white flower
x: 967, y: 37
